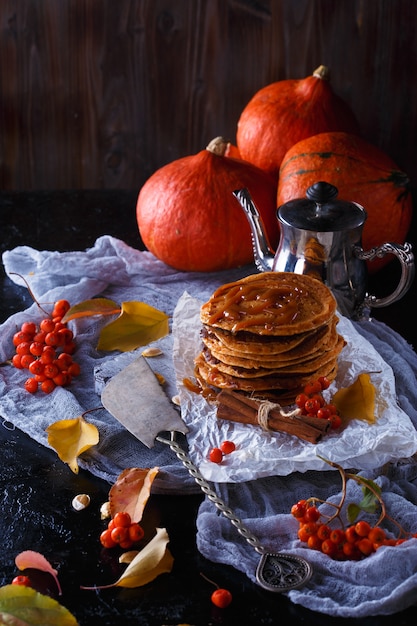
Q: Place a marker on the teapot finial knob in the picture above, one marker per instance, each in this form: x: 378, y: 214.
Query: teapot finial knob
x: 321, y: 192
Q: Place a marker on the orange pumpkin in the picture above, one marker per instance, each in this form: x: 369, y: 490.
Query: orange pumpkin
x: 362, y: 173
x: 189, y: 218
x: 282, y: 113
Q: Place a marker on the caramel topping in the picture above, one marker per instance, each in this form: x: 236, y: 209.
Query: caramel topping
x: 246, y: 305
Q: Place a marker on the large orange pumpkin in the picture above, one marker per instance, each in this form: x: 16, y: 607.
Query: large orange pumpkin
x: 282, y: 113
x: 189, y: 218
x: 362, y: 173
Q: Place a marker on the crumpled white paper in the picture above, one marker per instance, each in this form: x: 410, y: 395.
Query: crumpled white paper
x: 259, y: 453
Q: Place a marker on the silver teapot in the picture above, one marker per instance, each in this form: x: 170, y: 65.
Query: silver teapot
x: 321, y: 236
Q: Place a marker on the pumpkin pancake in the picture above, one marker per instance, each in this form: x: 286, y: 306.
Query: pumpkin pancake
x: 304, y: 366
x: 270, y: 303
x: 210, y: 375
x: 313, y: 345
x: 244, y: 342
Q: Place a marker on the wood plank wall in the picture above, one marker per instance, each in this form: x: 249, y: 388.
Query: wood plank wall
x: 101, y: 93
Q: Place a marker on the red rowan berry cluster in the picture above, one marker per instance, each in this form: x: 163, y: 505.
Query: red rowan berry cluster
x: 312, y: 403
x: 45, y: 350
x: 122, y: 532
x: 359, y: 539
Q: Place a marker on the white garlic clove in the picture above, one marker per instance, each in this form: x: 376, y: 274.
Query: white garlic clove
x: 81, y: 501
x: 105, y: 510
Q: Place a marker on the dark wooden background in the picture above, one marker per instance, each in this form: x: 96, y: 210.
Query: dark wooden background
x: 98, y: 94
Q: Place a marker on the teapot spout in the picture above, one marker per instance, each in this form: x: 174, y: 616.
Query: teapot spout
x: 262, y: 252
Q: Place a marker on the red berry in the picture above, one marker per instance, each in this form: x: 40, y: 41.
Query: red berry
x: 312, y: 514
x: 323, y: 413
x: 48, y: 355
x: 365, y: 546
x: 324, y: 382
x: 20, y: 337
x: 36, y: 348
x: 328, y: 547
x: 36, y: 367
x: 136, y: 532
x: 377, y: 535
x: 17, y: 361
x: 23, y: 348
x: 351, y: 534
x: 312, y: 405
x: 52, y: 339
x: 61, y: 379
x: 21, y: 580
x: 227, y: 447
x: 335, y: 421
x: 47, y: 325
x: 29, y: 328
x: 119, y: 534
x: 40, y: 336
x: 51, y: 370
x: 74, y: 369
x: 106, y: 540
x: 301, y: 399
x: 60, y: 308
x: 312, y: 388
x: 298, y: 510
x: 48, y: 385
x: 221, y: 598
x: 26, y: 360
x: 362, y: 528
x: 323, y: 532
x: 65, y: 336
x: 63, y: 361
x: 216, y: 455
x: 31, y: 385
x: 122, y: 519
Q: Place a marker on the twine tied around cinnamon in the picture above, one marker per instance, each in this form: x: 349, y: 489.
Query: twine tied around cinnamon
x: 266, y: 406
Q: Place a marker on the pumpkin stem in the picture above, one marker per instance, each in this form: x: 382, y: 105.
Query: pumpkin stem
x: 322, y: 72
x: 218, y: 146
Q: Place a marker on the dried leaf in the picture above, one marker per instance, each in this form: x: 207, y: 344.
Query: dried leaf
x: 127, y: 557
x: 72, y: 437
x: 35, y: 560
x: 88, y: 308
x: 23, y: 606
x: 153, y: 560
x: 357, y: 401
x: 131, y: 491
x: 137, y: 325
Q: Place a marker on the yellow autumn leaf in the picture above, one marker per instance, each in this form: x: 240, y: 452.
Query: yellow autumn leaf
x: 137, y: 325
x: 155, y: 559
x: 72, y: 437
x: 357, y: 401
x: 27, y: 607
x: 88, y: 308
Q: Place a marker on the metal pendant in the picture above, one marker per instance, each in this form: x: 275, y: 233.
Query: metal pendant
x: 282, y: 572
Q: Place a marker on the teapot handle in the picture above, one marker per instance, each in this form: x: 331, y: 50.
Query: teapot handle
x: 405, y: 256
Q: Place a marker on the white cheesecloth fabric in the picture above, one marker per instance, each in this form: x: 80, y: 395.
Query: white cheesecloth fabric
x: 114, y: 270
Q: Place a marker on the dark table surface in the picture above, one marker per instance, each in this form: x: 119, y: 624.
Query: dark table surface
x: 37, y: 489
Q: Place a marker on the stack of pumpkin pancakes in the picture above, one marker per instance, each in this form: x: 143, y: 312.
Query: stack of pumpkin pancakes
x: 269, y: 334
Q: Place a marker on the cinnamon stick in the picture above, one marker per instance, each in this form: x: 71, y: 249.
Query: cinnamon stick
x: 235, y: 407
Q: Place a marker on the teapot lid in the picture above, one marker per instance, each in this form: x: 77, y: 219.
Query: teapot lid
x: 321, y: 212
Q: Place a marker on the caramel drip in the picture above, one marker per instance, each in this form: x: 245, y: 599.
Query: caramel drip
x: 248, y: 306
